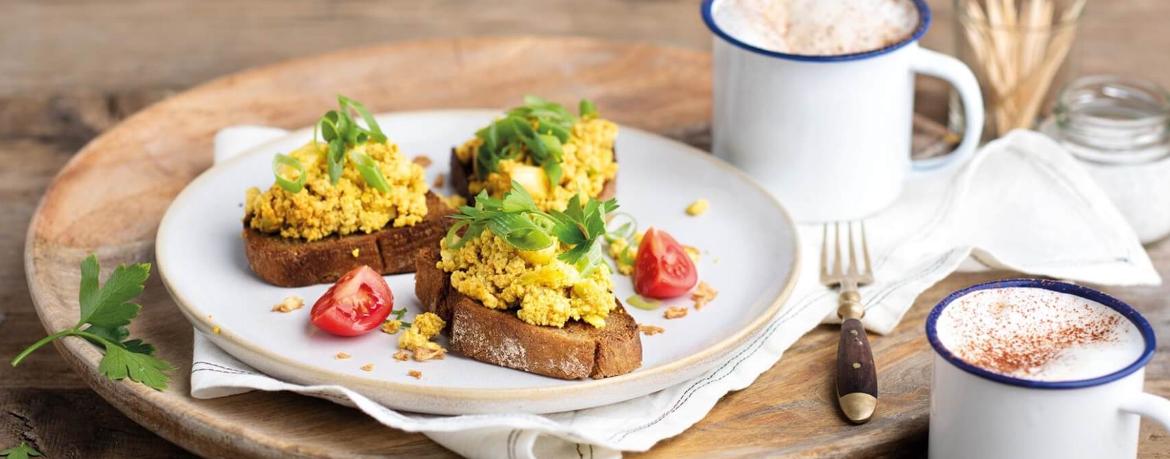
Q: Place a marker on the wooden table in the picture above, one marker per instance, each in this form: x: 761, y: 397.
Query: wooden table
x: 73, y: 69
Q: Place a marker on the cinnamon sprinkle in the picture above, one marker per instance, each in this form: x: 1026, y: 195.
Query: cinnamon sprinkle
x: 1019, y: 334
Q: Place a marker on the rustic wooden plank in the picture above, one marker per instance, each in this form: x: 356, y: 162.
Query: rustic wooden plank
x: 135, y: 44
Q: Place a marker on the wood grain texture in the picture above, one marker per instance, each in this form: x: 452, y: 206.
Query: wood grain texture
x: 855, y: 369
x: 73, y: 69
x: 790, y: 410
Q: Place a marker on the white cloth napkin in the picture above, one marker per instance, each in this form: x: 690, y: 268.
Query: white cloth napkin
x: 1022, y: 203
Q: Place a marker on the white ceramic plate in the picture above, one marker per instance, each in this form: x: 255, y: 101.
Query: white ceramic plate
x: 749, y: 254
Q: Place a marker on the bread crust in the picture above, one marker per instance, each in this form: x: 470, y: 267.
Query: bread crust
x: 287, y: 262
x: 577, y: 351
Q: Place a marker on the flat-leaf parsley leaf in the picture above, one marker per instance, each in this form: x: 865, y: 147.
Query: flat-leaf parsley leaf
x: 20, y: 452
x: 105, y: 313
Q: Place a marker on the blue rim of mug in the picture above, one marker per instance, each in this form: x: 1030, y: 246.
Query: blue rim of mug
x: 923, y: 24
x: 1056, y: 286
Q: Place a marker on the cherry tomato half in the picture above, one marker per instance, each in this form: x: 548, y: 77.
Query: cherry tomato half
x: 359, y: 302
x: 662, y: 268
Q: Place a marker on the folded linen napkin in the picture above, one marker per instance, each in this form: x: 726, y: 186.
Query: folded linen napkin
x: 1022, y: 203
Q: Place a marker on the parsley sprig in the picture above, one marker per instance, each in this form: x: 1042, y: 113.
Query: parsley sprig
x: 340, y: 132
x: 20, y: 452
x: 539, y: 127
x: 518, y: 221
x: 105, y: 313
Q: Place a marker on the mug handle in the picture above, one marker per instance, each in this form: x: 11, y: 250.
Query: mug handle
x: 1149, y: 405
x: 958, y: 75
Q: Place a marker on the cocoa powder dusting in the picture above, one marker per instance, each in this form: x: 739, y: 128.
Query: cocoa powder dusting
x: 1020, y: 334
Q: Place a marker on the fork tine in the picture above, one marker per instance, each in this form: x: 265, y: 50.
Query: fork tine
x: 837, y: 252
x: 852, y: 253
x: 865, y: 251
x: 825, y: 253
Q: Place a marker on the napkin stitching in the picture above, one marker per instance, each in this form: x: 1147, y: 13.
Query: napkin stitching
x: 889, y: 289
x: 751, y: 348
x: 932, y: 224
x: 241, y: 371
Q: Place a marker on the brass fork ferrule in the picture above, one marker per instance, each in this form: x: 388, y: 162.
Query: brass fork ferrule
x: 849, y: 305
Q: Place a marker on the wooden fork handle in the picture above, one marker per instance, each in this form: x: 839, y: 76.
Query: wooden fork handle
x: 856, y: 375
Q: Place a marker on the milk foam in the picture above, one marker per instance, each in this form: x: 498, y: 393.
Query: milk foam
x: 817, y: 27
x: 1038, y: 334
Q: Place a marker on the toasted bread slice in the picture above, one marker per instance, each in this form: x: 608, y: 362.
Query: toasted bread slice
x: 286, y: 262
x: 460, y: 174
x: 576, y: 351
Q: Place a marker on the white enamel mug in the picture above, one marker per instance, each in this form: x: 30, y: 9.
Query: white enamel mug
x: 830, y: 135
x: 978, y: 414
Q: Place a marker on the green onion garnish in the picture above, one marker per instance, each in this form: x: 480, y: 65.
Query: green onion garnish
x: 369, y: 169
x: 586, y: 108
x: 507, y: 137
x: 639, y: 302
x: 279, y: 163
x: 626, y: 231
x: 340, y: 131
x: 517, y: 221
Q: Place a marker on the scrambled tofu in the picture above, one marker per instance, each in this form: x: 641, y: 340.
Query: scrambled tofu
x: 418, y: 336
x: 587, y: 163
x: 547, y: 290
x: 625, y: 265
x: 323, y: 208
x: 699, y: 207
x: 391, y: 326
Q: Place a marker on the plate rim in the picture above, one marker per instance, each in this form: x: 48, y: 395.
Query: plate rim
x: 199, y: 319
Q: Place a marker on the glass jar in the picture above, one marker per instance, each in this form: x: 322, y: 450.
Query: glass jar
x: 1119, y: 129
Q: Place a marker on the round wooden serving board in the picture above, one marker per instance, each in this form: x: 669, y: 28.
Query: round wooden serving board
x: 110, y: 197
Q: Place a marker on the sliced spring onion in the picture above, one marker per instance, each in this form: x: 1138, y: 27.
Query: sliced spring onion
x: 639, y: 302
x: 279, y: 163
x: 335, y: 159
x: 586, y: 108
x: 369, y: 169
x: 375, y: 131
x: 626, y: 230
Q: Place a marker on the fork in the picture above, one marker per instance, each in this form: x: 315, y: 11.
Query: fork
x: 856, y: 375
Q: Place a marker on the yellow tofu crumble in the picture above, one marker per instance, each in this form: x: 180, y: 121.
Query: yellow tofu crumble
x: 698, y: 207
x: 547, y: 290
x: 391, y: 326
x: 351, y: 205
x: 424, y: 327
x: 587, y: 163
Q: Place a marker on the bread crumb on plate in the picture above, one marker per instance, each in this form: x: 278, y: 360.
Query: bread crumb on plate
x: 650, y: 330
x: 422, y: 160
x: 402, y: 356
x: 342, y: 356
x: 291, y: 303
x: 368, y: 367
x: 703, y: 294
x: 415, y: 374
x: 675, y: 312
x: 422, y: 354
x: 438, y: 181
